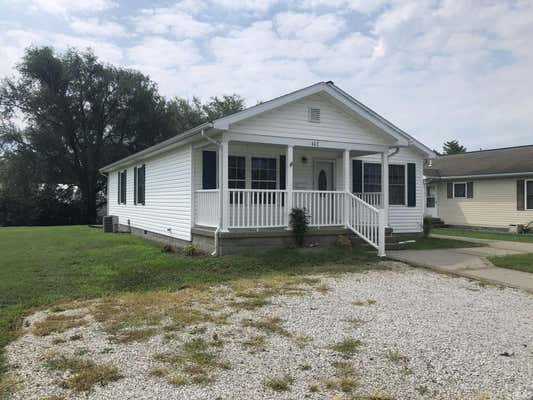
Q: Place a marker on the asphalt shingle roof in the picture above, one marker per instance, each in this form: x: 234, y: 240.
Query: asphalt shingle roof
x: 484, y: 162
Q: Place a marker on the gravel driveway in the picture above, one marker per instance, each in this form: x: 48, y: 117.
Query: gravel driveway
x: 402, y: 333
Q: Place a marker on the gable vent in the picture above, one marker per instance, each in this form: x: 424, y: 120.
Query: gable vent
x: 314, y: 114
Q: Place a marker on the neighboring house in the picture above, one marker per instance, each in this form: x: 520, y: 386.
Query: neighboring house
x: 486, y: 188
x: 229, y: 185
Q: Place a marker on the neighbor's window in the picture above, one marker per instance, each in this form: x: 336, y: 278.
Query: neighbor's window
x: 236, y: 172
x: 397, y: 184
x: 529, y: 195
x: 459, y: 190
x: 263, y: 173
x: 372, y: 178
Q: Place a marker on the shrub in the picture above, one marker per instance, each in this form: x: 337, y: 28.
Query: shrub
x: 299, y: 220
x: 427, y: 226
x: 190, y: 250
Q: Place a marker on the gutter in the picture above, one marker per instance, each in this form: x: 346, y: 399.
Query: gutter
x: 164, y: 146
x: 503, y: 175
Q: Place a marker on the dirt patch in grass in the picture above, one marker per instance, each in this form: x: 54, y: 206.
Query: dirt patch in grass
x: 84, y: 374
x: 57, y: 323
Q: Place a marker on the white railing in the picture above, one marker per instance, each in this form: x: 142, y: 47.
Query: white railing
x: 257, y: 208
x: 367, y: 221
x: 325, y: 208
x: 206, y: 206
x: 374, y: 199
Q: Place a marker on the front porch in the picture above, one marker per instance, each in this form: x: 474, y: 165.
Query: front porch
x: 253, y: 186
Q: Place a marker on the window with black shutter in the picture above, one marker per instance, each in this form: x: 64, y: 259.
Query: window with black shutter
x: 397, y: 184
x: 122, y: 187
x: 140, y: 184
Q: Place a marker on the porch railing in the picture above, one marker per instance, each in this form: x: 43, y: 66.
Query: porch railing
x: 374, y: 199
x: 325, y: 208
x: 206, y: 206
x: 367, y: 221
x: 257, y: 208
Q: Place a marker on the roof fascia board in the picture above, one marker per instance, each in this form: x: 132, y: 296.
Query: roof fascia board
x: 159, y: 148
x: 502, y: 175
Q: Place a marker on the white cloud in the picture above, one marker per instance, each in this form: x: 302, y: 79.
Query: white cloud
x: 246, y: 5
x: 162, y: 53
x: 171, y: 20
x: 97, y: 27
x: 363, y: 6
x: 70, y: 6
x: 308, y: 26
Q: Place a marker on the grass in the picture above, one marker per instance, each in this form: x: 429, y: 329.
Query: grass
x: 280, y: 384
x: 346, y: 378
x: 519, y: 262
x: 430, y: 243
x: 269, y: 325
x: 347, y: 347
x: 46, y: 266
x: 85, y: 374
x: 512, y: 237
x: 57, y: 323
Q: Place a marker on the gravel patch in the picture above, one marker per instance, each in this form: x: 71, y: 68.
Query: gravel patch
x: 423, y: 336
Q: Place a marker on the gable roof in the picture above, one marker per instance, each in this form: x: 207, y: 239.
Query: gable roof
x: 221, y: 124
x: 484, y: 163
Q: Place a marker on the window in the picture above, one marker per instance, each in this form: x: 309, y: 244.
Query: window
x: 139, y: 189
x: 236, y: 172
x: 263, y: 173
x: 397, y: 184
x: 529, y: 195
x: 122, y: 187
x: 372, y: 178
x: 459, y: 190
x: 313, y: 115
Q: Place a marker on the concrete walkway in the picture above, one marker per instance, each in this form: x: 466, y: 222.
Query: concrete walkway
x: 472, y: 262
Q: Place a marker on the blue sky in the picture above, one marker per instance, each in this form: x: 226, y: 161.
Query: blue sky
x: 437, y: 69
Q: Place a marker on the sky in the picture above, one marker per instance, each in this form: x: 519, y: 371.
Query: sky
x: 438, y: 69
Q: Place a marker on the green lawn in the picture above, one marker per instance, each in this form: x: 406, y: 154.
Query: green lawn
x: 520, y: 262
x: 41, y: 265
x: 422, y: 243
x: 513, y: 237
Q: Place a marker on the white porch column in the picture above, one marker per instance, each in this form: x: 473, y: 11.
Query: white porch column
x: 223, y: 185
x: 385, y: 185
x: 289, y: 181
x: 346, y: 173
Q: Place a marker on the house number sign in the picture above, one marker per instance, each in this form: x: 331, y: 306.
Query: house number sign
x: 315, y: 143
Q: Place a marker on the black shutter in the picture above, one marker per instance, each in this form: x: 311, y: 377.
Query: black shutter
x: 357, y: 176
x: 411, y: 185
x: 209, y: 169
x: 470, y: 190
x: 449, y: 190
x: 282, y: 172
x: 123, y: 186
x: 142, y: 185
x: 135, y: 184
x: 119, y: 190
x: 520, y: 200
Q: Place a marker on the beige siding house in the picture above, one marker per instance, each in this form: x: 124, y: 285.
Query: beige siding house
x: 229, y: 185
x: 488, y: 188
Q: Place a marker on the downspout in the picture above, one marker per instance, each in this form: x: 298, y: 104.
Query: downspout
x: 396, y: 150
x: 217, y: 230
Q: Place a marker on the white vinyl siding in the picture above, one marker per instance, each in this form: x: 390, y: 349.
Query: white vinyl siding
x: 167, y: 209
x: 292, y: 120
x: 404, y: 219
x: 493, y: 205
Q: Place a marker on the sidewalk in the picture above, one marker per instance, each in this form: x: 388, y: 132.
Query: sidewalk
x: 472, y: 262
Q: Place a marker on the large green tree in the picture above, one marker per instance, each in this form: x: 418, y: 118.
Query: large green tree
x: 453, y: 147
x: 80, y: 114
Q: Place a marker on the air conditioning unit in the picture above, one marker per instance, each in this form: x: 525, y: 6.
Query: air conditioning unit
x: 110, y: 224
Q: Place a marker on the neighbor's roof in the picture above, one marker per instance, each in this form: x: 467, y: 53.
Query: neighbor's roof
x: 495, y: 162
x: 224, y: 123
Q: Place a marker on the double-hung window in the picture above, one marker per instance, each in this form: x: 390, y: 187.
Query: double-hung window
x: 396, y: 184
x: 459, y: 190
x: 264, y: 177
x: 529, y: 195
x: 236, y: 172
x: 372, y: 178
x: 122, y: 179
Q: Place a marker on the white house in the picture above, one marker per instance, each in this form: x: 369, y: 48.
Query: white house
x: 229, y: 185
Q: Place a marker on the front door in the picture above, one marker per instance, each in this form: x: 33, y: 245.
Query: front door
x: 432, y: 208
x: 324, y: 175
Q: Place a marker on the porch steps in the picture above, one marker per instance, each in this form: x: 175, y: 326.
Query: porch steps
x: 437, y: 223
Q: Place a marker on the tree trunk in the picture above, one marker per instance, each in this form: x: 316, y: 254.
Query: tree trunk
x: 88, y: 194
